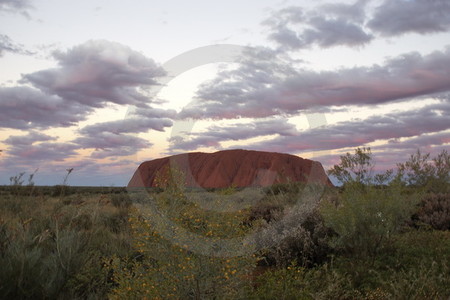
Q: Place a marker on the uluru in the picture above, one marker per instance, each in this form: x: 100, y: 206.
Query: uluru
x: 238, y: 168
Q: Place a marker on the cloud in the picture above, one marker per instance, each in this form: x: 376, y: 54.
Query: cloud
x: 89, y: 76
x: 8, y: 45
x: 36, y: 148
x: 242, y: 93
x: 136, y: 121
x: 16, y: 6
x: 355, y: 12
x: 397, y: 17
x: 427, y: 120
x: 27, y: 108
x: 214, y: 135
x: 99, y: 72
x: 326, y: 26
x: 322, y: 32
x: 432, y: 139
x: 334, y: 32
x: 28, y: 139
x: 339, y: 24
x: 130, y: 125
x: 107, y: 144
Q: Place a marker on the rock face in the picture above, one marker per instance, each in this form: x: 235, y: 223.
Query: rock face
x: 239, y: 168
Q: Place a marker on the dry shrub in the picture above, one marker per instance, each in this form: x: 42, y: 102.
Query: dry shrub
x: 300, y: 235
x: 434, y: 211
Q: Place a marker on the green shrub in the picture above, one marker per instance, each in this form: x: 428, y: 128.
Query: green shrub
x: 285, y: 188
x: 51, y: 250
x: 164, y: 270
x: 366, y: 219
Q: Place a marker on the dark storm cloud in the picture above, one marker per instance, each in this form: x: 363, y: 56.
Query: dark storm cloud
x: 214, y: 135
x: 99, y: 72
x: 8, y: 45
x: 429, y: 119
x: 28, y: 108
x: 107, y: 144
x: 242, y: 93
x: 396, y: 17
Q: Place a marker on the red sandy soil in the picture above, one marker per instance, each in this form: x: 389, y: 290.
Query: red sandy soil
x: 239, y: 168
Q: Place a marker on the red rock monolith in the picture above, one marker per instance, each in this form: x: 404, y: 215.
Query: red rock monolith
x: 239, y: 168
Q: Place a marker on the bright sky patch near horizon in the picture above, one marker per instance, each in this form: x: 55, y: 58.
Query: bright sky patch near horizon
x: 76, y: 81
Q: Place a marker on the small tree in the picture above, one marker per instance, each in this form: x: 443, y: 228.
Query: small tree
x: 420, y: 171
x: 365, y: 217
x: 358, y: 169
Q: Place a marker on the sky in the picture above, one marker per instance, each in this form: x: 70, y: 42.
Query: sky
x: 101, y: 86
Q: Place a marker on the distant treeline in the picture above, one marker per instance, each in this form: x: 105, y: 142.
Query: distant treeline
x: 56, y: 190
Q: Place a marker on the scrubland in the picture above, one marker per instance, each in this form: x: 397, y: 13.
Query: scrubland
x: 377, y: 236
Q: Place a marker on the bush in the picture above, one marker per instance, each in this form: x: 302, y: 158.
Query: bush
x: 366, y: 219
x: 434, y: 211
x: 164, y: 270
x: 51, y: 250
x: 365, y: 216
x: 282, y: 283
x: 265, y: 211
x: 284, y: 188
x: 298, y: 235
x: 121, y: 200
x: 432, y: 175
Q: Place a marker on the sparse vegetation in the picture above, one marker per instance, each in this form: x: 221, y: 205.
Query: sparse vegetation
x: 376, y: 237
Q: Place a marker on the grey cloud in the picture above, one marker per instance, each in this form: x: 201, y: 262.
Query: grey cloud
x: 430, y: 119
x: 396, y: 17
x: 322, y: 32
x: 28, y: 108
x: 326, y: 26
x: 355, y: 12
x: 334, y: 32
x: 89, y: 76
x: 28, y: 139
x: 335, y: 24
x: 130, y: 125
x: 8, y: 45
x: 216, y: 134
x: 137, y: 121
x: 294, y: 14
x: 98, y: 72
x: 433, y: 139
x: 16, y: 6
x: 117, y: 152
x: 35, y: 148
x: 43, y: 152
x: 241, y: 93
x: 286, y: 37
x: 107, y: 144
